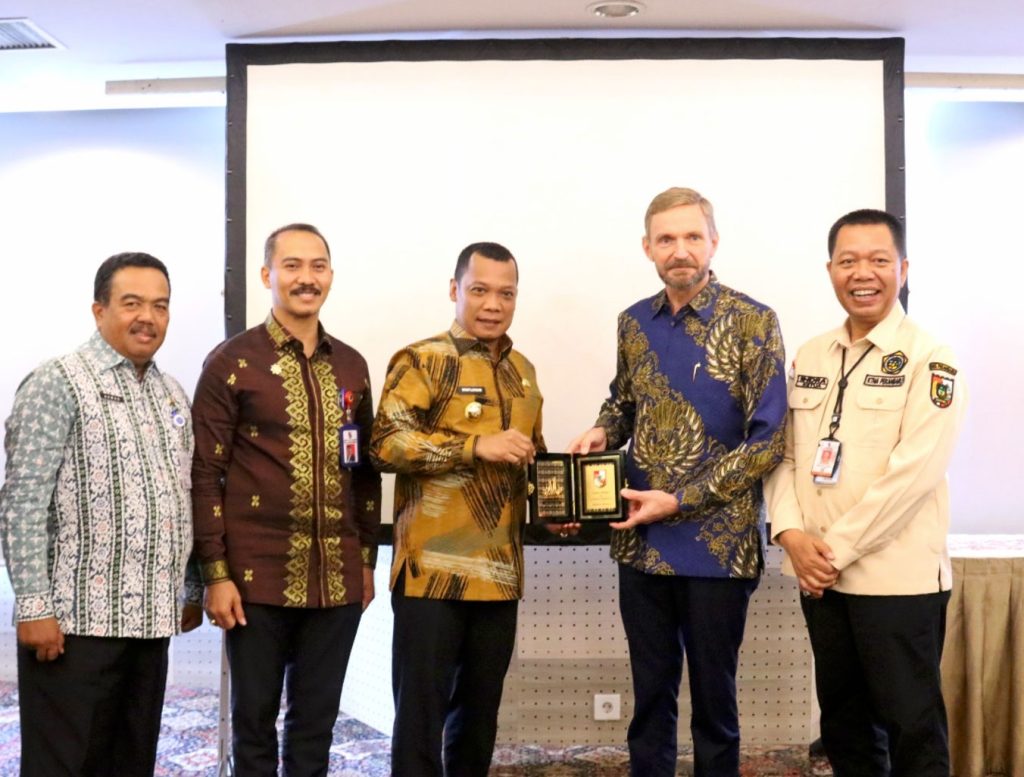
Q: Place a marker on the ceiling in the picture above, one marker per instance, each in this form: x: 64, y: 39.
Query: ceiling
x: 148, y: 39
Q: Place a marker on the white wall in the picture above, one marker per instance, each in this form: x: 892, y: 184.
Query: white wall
x: 965, y: 164
x: 77, y: 187
x: 558, y: 161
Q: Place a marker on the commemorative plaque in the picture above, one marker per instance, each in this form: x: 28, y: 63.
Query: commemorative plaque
x: 572, y: 488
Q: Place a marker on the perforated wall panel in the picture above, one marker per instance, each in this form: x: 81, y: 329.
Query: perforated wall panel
x: 570, y: 647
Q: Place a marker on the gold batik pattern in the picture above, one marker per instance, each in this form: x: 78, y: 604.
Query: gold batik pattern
x: 668, y: 437
x: 729, y: 362
x: 672, y: 447
x: 331, y: 518
x: 301, y: 462
x: 458, y: 520
x: 489, y: 491
x: 215, y: 571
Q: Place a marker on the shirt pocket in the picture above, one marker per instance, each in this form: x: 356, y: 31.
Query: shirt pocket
x: 808, y: 417
x: 878, y: 417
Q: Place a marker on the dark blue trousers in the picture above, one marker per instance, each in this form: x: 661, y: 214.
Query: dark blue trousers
x: 306, y: 652
x: 876, y: 666
x: 449, y: 660
x: 666, y: 617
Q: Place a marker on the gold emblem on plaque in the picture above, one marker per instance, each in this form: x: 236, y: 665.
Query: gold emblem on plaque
x: 552, y: 488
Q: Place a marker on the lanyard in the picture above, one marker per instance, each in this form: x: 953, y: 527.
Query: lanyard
x: 837, y: 411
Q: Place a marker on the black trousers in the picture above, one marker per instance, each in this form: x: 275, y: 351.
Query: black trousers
x: 449, y: 660
x: 666, y: 617
x: 306, y: 652
x: 95, y: 711
x: 877, y: 672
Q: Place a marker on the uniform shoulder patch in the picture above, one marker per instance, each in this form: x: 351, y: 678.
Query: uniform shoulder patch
x: 942, y: 390
x: 940, y: 367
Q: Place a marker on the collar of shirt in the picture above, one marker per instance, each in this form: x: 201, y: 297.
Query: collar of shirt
x: 703, y: 305
x: 883, y: 335
x: 105, y: 357
x: 464, y: 342
x: 282, y: 338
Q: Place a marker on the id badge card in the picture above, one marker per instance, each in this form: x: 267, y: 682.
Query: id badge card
x: 819, y: 481
x: 826, y: 460
x: 349, y: 446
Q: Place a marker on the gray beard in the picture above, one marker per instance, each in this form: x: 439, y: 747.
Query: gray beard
x: 694, y: 280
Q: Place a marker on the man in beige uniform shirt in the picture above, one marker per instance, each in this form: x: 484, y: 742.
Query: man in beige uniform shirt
x: 861, y: 507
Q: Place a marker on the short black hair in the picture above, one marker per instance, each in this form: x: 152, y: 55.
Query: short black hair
x: 271, y: 243
x: 105, y: 274
x: 494, y: 251
x: 870, y: 216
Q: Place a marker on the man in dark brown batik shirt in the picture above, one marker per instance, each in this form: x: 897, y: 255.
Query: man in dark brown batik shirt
x: 285, y: 512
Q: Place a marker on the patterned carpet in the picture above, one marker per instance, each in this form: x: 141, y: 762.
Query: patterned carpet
x: 188, y: 746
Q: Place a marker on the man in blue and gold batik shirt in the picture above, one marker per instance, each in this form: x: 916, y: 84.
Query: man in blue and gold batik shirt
x: 700, y: 394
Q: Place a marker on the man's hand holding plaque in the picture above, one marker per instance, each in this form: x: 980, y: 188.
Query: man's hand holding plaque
x: 639, y: 507
x: 647, y: 507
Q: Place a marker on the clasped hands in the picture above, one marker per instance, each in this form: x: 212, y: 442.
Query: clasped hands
x: 812, y: 561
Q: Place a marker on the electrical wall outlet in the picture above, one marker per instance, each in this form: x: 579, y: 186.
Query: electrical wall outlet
x: 607, y: 706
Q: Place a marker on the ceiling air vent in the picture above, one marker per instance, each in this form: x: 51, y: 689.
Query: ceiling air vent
x: 23, y: 34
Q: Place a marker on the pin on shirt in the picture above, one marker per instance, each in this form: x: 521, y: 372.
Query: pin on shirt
x: 178, y: 418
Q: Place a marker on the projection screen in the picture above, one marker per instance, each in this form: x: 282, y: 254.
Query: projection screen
x: 403, y: 152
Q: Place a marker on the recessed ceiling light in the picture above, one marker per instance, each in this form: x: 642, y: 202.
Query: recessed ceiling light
x: 616, y: 10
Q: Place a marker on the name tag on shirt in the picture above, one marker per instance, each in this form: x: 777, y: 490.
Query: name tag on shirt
x: 885, y: 381
x: 478, y: 391
x: 811, y: 381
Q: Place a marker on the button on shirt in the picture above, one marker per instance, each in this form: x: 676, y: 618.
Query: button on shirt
x: 458, y: 520
x: 701, y: 396
x: 887, y: 517
x: 95, y: 510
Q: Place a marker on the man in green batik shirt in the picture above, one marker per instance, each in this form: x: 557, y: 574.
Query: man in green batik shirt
x: 96, y: 522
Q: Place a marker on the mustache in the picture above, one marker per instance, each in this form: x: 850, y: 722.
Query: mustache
x: 680, y: 263
x: 305, y: 289
x: 148, y: 329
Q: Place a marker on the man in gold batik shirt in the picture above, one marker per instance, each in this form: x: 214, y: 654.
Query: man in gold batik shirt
x: 459, y: 419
